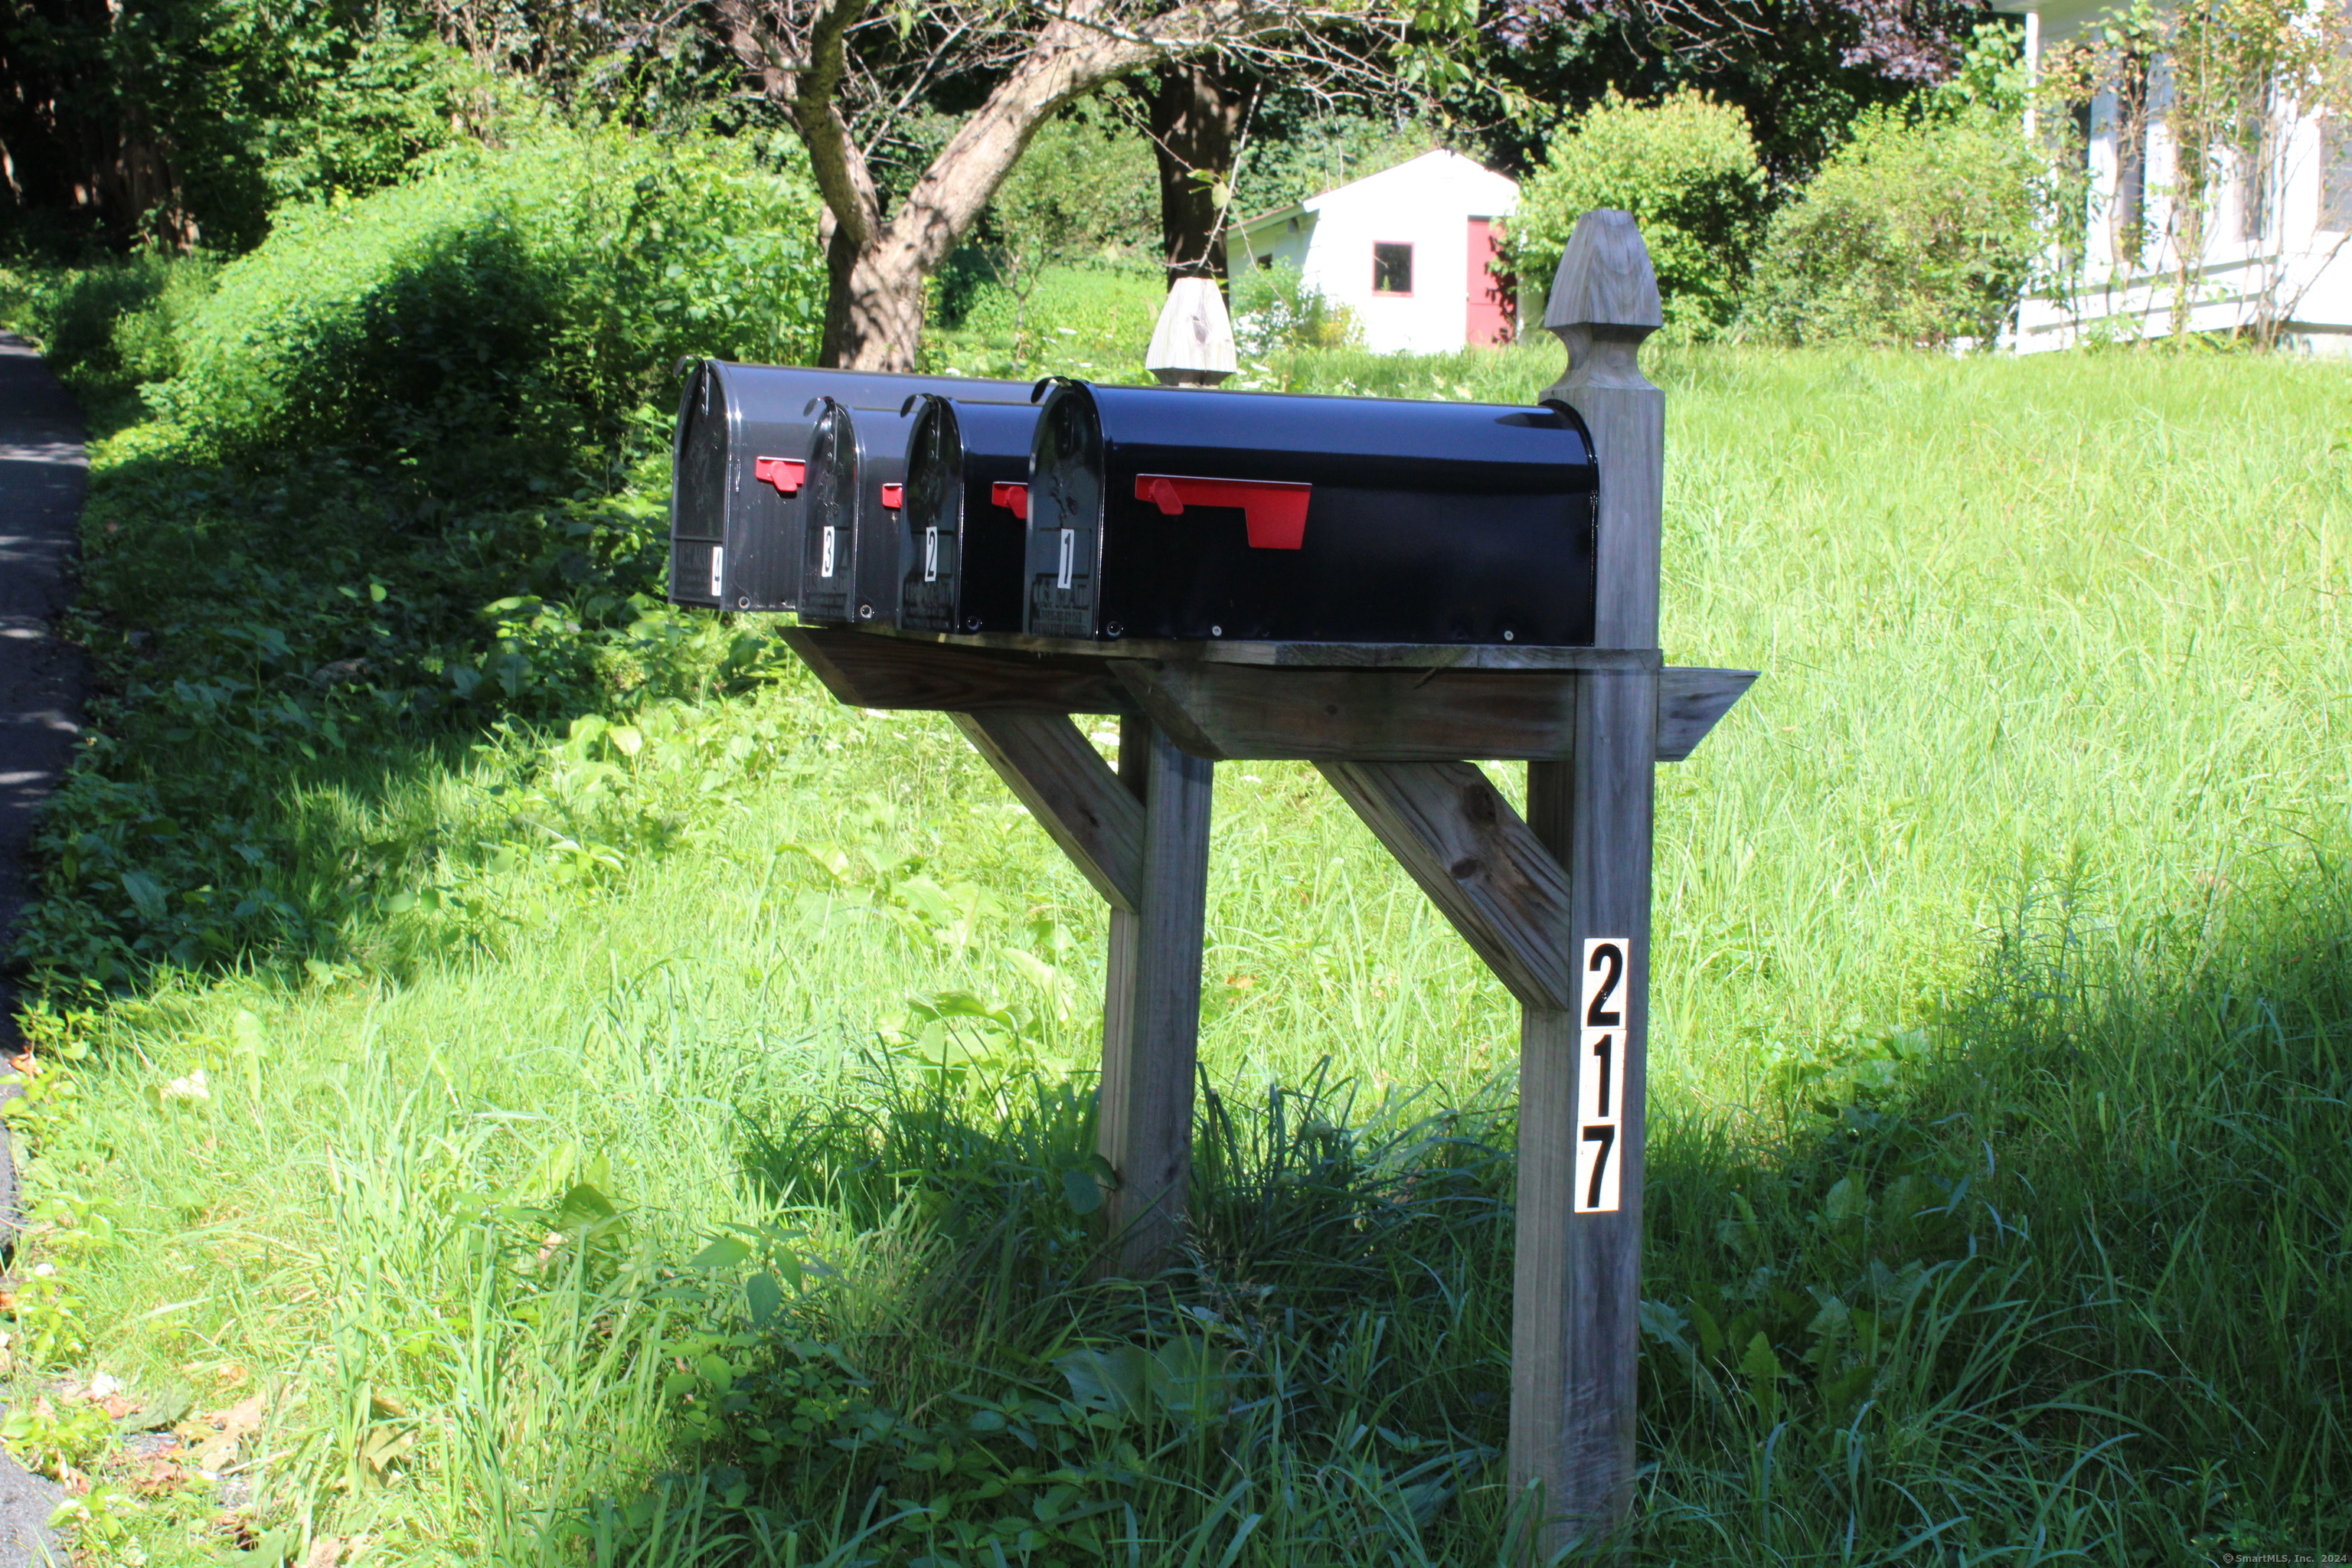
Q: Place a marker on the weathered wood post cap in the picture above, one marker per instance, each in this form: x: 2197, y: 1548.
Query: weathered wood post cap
x: 1193, y: 344
x: 1604, y: 301
x: 1605, y: 279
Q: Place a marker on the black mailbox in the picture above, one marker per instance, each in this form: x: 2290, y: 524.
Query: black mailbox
x: 966, y: 521
x: 1177, y: 513
x: 857, y: 499
x: 739, y: 466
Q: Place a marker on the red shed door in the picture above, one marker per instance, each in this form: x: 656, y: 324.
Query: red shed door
x: 1494, y: 302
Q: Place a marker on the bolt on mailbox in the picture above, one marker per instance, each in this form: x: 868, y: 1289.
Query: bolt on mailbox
x: 739, y: 472
x: 1162, y: 513
x: 966, y: 521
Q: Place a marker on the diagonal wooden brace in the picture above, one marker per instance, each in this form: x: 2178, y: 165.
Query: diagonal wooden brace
x: 1071, y: 791
x: 1481, y: 865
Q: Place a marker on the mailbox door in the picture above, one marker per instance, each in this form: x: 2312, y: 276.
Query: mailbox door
x: 700, y: 485
x: 829, y: 520
x: 935, y: 499
x: 1066, y: 517
x: 883, y: 545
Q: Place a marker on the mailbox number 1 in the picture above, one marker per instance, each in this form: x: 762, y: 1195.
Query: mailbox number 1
x: 1600, y: 1076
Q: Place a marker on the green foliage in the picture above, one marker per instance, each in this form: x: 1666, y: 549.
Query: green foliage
x: 365, y: 108
x: 534, y: 297
x: 1687, y: 170
x: 56, y: 1440
x: 1084, y: 199
x: 1917, y: 232
x: 1088, y: 185
x: 228, y: 107
x: 107, y: 328
x: 1315, y: 152
x: 1275, y: 309
x: 1092, y: 321
x: 407, y: 487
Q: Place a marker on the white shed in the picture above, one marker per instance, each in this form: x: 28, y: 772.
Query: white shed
x: 1406, y: 249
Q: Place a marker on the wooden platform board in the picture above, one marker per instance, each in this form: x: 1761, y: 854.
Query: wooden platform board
x: 1378, y: 709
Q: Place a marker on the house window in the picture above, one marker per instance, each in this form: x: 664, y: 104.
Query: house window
x: 2336, y: 175
x: 2256, y: 197
x: 1391, y: 269
x: 1267, y: 263
x: 2128, y: 217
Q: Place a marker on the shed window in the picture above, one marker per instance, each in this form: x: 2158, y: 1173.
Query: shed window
x: 1391, y: 269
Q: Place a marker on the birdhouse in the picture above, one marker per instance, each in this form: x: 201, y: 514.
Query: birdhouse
x: 1193, y: 345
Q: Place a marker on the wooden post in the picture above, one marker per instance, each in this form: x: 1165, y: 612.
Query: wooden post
x: 1576, y: 1302
x: 1151, y: 1008
x: 1604, y: 301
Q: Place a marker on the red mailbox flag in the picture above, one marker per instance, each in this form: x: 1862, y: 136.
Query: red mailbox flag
x: 1275, y: 511
x: 781, y: 472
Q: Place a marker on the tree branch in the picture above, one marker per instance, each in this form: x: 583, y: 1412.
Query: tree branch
x: 1079, y: 50
x: 807, y: 84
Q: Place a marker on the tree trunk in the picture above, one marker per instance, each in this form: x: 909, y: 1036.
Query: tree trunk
x: 1196, y: 111
x: 873, y: 307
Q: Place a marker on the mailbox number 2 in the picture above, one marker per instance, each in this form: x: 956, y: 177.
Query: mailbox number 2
x: 1600, y: 1076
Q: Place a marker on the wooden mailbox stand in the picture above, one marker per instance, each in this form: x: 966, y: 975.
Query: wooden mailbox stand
x: 1545, y: 899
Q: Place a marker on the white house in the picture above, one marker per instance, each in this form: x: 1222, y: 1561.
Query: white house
x: 2273, y: 254
x: 1406, y: 249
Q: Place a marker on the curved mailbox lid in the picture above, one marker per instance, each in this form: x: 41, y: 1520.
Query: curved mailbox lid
x: 967, y: 516
x: 1162, y: 512
x: 739, y: 470
x: 855, y: 491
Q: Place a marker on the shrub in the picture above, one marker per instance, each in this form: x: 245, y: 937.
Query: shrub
x: 1917, y: 232
x: 1688, y: 171
x: 530, y: 297
x: 1275, y: 309
x: 112, y: 323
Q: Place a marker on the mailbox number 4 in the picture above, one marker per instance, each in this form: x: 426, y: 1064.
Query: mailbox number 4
x: 1600, y: 1076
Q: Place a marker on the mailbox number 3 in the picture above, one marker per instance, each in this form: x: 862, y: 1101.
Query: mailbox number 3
x: 1601, y: 1078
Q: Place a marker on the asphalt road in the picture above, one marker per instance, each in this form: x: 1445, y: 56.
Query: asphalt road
x: 42, y: 471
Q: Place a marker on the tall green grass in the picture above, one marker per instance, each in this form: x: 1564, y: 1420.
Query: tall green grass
x: 683, y: 1170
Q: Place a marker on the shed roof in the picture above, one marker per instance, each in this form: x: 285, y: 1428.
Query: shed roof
x: 1501, y: 186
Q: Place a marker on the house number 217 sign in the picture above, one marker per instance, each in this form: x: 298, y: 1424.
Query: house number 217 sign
x: 1601, y: 1078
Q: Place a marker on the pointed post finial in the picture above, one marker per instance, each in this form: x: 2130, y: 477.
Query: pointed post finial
x: 1604, y: 301
x: 1193, y: 344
